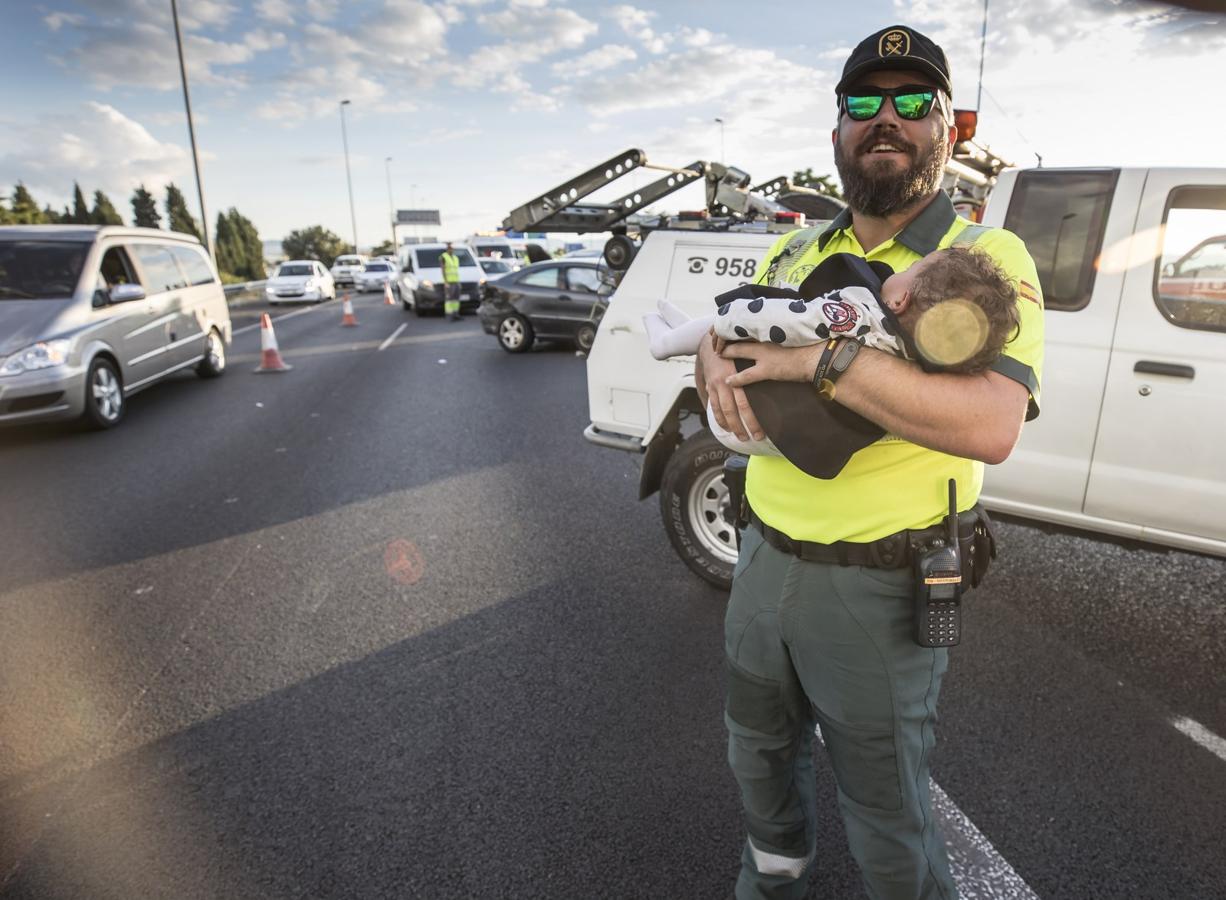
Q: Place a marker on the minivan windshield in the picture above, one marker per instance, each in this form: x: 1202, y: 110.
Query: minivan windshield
x: 503, y: 250
x: 428, y: 259
x: 37, y: 270
x: 294, y: 270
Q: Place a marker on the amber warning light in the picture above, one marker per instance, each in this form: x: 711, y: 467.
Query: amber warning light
x: 965, y: 121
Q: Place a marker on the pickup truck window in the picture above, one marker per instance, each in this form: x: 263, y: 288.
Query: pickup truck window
x: 1190, y: 272
x: 1061, y: 216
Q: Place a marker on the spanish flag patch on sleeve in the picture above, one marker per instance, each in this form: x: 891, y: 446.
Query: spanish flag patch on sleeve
x: 1028, y: 291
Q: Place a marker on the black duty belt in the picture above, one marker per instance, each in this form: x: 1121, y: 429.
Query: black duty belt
x: 890, y: 552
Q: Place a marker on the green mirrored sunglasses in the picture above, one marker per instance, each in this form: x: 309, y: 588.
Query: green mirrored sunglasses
x: 909, y: 102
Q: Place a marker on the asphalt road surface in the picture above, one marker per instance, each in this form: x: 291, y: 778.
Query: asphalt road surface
x: 386, y: 626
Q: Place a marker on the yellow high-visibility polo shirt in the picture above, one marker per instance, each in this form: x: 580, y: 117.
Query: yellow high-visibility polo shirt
x: 892, y: 484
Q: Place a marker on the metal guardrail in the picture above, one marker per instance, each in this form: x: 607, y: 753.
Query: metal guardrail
x: 245, y: 292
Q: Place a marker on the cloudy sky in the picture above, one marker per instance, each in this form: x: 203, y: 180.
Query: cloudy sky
x: 482, y: 104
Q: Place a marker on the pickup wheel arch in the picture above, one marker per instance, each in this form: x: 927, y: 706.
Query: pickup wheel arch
x: 666, y: 440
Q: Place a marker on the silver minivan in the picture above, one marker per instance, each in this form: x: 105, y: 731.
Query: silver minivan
x: 89, y: 315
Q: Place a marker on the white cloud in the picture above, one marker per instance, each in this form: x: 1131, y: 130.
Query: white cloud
x: 597, y: 60
x: 696, y: 77
x: 57, y: 20
x: 193, y: 16
x: 1061, y: 78
x: 637, y: 23
x: 131, y: 43
x: 260, y: 40
x: 96, y: 145
x: 321, y: 10
x: 548, y: 28
x: 275, y: 10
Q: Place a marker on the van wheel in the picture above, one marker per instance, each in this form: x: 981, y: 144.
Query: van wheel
x: 585, y: 337
x: 694, y: 502
x: 515, y: 334
x: 214, y: 362
x: 104, y: 403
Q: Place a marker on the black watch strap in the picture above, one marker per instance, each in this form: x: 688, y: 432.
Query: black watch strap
x: 824, y: 361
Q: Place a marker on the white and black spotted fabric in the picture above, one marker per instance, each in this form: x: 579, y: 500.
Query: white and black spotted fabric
x: 849, y: 312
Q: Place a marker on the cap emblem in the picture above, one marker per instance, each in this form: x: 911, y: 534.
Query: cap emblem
x: 894, y: 43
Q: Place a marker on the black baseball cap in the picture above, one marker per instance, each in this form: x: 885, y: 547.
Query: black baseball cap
x: 896, y: 47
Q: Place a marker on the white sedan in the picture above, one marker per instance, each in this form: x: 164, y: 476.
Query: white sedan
x: 375, y: 275
x: 300, y: 281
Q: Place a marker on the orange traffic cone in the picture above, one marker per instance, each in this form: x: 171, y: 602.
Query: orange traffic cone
x: 388, y: 299
x: 270, y: 354
x: 348, y: 320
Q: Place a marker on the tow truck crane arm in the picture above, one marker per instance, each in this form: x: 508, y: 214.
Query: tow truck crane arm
x: 559, y: 209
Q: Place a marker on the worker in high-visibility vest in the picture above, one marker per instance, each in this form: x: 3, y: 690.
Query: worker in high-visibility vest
x: 450, y: 264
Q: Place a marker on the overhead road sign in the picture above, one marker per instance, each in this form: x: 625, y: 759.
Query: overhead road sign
x: 417, y: 217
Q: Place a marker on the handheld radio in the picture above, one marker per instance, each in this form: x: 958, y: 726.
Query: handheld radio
x: 938, y: 585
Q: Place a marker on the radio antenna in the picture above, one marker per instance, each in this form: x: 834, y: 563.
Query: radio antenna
x: 953, y: 513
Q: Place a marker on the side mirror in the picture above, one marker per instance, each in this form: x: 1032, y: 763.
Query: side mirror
x: 124, y: 293
x: 1168, y: 271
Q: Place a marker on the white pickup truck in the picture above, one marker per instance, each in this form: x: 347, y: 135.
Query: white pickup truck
x: 1131, y: 442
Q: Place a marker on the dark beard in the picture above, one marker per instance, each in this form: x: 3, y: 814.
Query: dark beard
x: 879, y: 192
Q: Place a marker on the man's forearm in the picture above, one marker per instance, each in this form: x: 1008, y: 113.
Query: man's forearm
x: 973, y: 416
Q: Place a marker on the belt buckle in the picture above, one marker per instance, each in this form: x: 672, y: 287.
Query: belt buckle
x: 889, y: 552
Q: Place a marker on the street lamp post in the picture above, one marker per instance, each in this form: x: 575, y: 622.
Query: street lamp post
x: 721, y: 138
x: 191, y: 129
x: 391, y: 206
x: 412, y: 191
x: 353, y: 216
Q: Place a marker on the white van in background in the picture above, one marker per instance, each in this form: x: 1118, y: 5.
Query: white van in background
x: 421, y: 278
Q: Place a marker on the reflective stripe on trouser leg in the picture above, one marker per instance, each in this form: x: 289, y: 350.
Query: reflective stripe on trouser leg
x: 777, y: 864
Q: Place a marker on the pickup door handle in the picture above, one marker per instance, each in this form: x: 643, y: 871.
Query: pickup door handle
x: 1149, y: 367
x: 564, y: 297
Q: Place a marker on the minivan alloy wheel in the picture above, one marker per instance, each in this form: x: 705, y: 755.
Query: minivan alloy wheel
x: 106, y: 394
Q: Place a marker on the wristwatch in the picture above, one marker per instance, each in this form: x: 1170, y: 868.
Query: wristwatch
x: 834, y: 361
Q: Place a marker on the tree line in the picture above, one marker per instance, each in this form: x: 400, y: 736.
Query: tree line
x: 237, y: 248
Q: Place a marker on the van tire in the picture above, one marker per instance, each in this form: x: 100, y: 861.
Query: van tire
x: 214, y: 362
x: 107, y: 411
x: 693, y: 501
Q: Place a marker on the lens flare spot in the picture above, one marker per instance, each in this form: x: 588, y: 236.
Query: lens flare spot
x: 403, y: 561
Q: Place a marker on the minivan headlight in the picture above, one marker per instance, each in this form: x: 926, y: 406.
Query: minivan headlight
x: 43, y: 355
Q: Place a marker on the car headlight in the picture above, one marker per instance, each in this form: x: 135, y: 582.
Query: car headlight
x: 43, y: 355
x: 481, y: 281
x: 269, y: 289
x: 427, y: 284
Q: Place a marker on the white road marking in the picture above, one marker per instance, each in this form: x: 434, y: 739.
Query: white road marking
x: 1202, y: 735
x: 297, y: 312
x: 395, y: 334
x: 979, y: 871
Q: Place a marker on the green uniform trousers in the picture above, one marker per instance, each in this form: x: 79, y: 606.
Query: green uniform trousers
x: 810, y: 643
